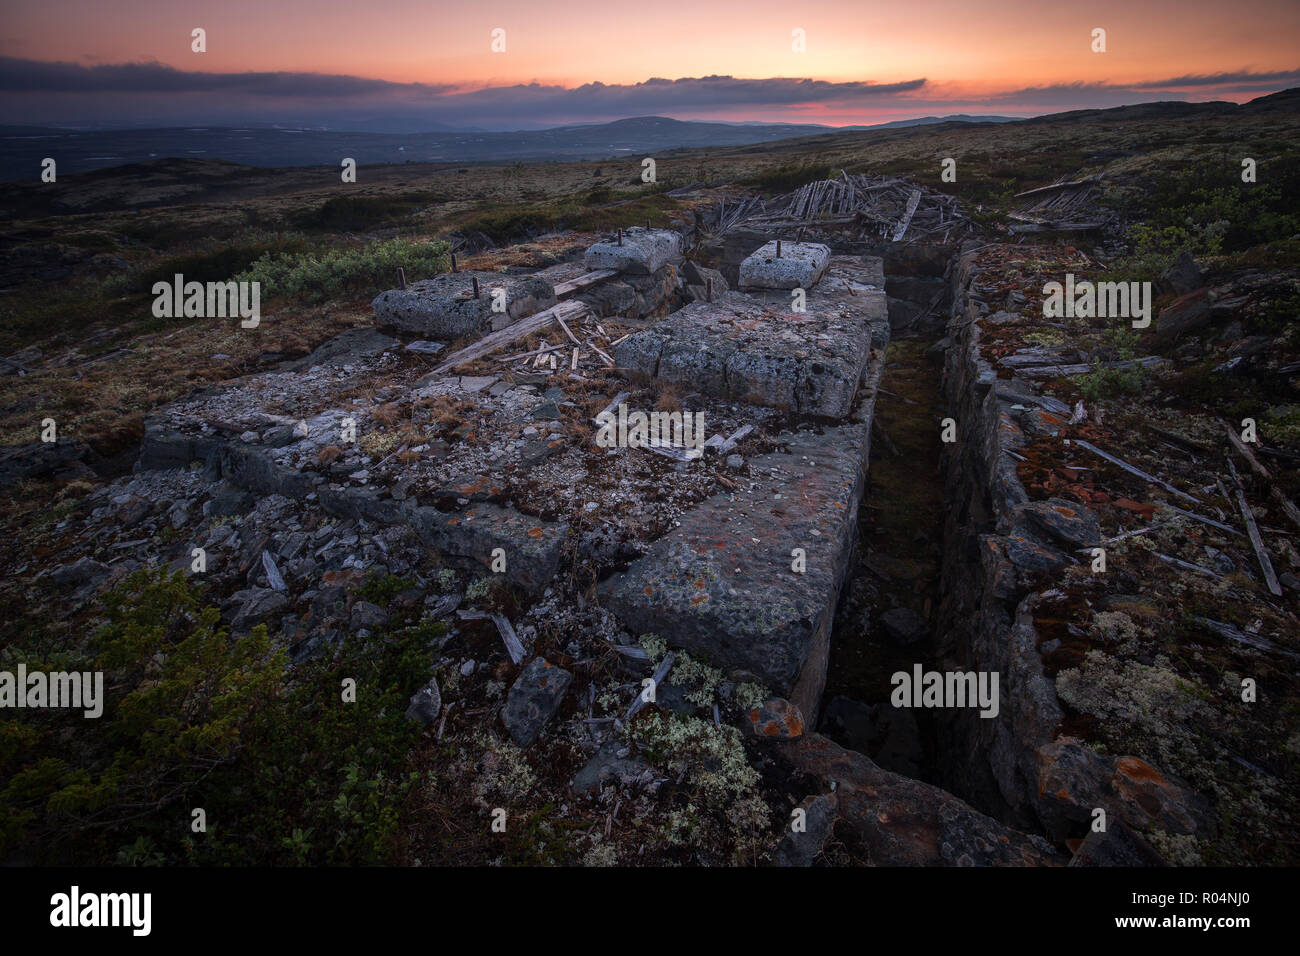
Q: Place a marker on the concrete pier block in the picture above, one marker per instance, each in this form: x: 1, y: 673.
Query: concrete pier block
x: 643, y: 252
x: 799, y: 266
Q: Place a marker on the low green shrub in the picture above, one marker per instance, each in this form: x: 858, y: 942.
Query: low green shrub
x: 317, y: 276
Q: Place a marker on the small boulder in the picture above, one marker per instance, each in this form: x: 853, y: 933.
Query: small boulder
x: 776, y: 719
x: 426, y: 703
x: 368, y: 616
x: 800, y: 847
x: 534, y: 699
x: 132, y: 511
x: 1183, y: 276
x: 610, y: 763
x: 904, y: 627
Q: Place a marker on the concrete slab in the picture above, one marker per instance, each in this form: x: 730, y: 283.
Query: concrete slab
x: 799, y: 266
x: 752, y: 348
x: 643, y: 252
x: 444, y: 307
x: 723, y: 584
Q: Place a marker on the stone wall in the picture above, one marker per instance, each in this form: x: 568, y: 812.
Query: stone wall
x: 1000, y: 551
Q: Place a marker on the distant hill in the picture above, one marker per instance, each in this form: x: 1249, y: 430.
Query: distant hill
x: 22, y: 149
x: 80, y: 150
x: 931, y: 120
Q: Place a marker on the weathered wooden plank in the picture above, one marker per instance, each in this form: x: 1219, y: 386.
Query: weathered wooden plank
x: 1279, y: 497
x: 570, y: 286
x: 1256, y: 539
x: 912, y: 202
x: 1136, y: 472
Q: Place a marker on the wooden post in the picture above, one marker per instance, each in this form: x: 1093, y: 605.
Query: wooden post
x: 401, y: 277
x: 620, y: 236
x: 708, y: 288
x: 453, y: 262
x: 475, y: 281
x: 778, y: 248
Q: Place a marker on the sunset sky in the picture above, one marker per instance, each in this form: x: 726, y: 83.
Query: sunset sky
x: 408, y: 65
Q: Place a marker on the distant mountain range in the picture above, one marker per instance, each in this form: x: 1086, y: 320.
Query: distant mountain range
x: 79, y: 150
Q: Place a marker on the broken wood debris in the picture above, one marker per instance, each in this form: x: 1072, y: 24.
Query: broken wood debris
x: 1279, y: 497
x: 1243, y: 637
x: 1058, y: 207
x: 866, y: 207
x: 1187, y: 565
x: 660, y: 673
x: 508, y: 636
x: 525, y: 327
x: 1136, y: 472
x: 1252, y: 530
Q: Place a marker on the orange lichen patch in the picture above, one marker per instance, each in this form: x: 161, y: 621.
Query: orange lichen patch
x: 341, y: 578
x: 1139, y: 771
x: 699, y: 599
x: 1128, y: 504
x: 535, y: 532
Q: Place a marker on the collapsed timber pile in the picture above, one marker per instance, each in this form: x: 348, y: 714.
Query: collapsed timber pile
x: 1064, y: 206
x: 856, y: 207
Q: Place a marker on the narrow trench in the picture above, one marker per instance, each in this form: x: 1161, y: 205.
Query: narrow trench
x: 883, y: 623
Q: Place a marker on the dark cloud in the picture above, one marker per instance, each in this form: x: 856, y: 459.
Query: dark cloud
x: 36, y: 76
x: 135, y: 93
x: 1242, y: 78
x: 154, y: 89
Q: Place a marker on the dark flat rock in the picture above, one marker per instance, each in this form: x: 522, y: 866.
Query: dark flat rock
x: 534, y: 699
